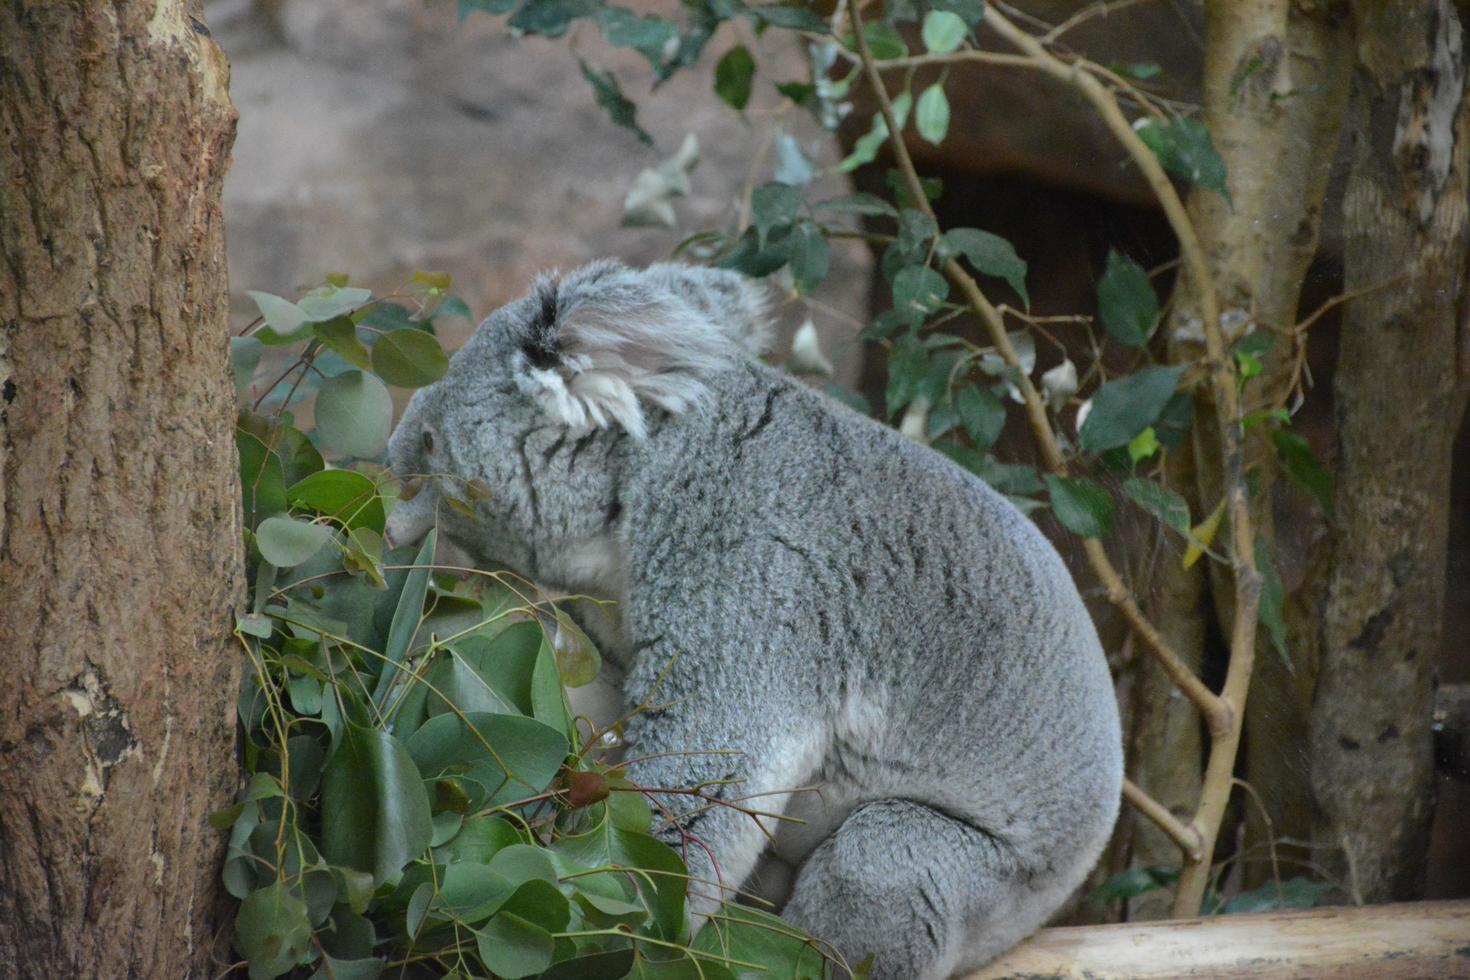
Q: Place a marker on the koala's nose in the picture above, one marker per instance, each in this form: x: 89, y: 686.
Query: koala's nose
x: 410, y: 520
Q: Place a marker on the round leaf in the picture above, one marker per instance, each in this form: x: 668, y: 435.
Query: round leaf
x: 286, y: 542
x: 943, y: 31
x: 354, y: 414
x: 272, y: 930
x: 513, y: 947
x: 345, y: 495
x: 409, y: 358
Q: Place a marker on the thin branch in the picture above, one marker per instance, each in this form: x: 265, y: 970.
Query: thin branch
x: 1100, y: 9
x: 1209, y: 705
x: 1185, y: 835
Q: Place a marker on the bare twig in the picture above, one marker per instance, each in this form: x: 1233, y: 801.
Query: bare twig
x: 1185, y: 835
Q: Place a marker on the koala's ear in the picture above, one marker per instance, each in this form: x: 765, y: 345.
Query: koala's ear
x: 735, y: 304
x: 605, y: 339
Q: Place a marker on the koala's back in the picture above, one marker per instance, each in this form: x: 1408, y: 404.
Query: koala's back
x: 857, y: 579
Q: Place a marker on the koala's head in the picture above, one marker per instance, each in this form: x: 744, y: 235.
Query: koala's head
x: 578, y: 364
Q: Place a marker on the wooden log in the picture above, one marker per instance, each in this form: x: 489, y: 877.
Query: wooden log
x: 1418, y: 940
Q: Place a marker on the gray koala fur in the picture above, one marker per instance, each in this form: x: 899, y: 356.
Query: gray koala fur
x: 846, y: 608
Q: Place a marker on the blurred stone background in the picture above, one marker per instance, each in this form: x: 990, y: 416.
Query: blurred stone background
x: 380, y: 137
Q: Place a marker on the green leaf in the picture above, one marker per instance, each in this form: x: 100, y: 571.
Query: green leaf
x: 918, y: 291
x: 865, y: 150
x: 790, y: 16
x: 1126, y: 301
x: 409, y: 358
x: 1143, y: 445
x: 1272, y: 609
x: 286, y: 542
x: 486, y: 6
x: 244, y: 359
x: 970, y: 11
x: 329, y: 302
x: 981, y: 413
x: 285, y: 322
x: 262, y: 482
x: 734, y: 74
x: 1081, y: 506
x: 364, y: 968
x: 931, y: 116
x: 1122, y: 409
x: 499, y: 758
x: 1184, y: 149
x: 550, y: 18
x: 1296, y: 893
x: 610, y: 97
x: 1302, y: 466
x: 1160, y: 501
x: 272, y: 931
x: 811, y: 256
x: 799, y: 92
x: 751, y: 936
x: 340, y: 334
x: 861, y: 204
x: 989, y: 254
x: 511, y: 947
x: 908, y: 362
x: 649, y: 36
x: 375, y: 812
x: 773, y: 206
x: 1141, y: 70
x: 407, y: 616
x: 345, y: 495
x: 1134, y: 882
x: 354, y: 414
x: 884, y: 41
x: 943, y: 31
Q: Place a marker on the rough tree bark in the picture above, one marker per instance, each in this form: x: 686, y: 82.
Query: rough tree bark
x: 1400, y: 394
x: 120, y: 553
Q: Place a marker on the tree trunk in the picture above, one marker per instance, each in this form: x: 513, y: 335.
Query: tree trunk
x: 1400, y: 395
x: 120, y: 560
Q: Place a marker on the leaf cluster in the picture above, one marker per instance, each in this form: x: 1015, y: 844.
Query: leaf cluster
x: 417, y: 798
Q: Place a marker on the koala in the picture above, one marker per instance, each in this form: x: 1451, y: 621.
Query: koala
x: 806, y: 599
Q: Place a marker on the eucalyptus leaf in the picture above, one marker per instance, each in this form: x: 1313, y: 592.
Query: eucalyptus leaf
x: 272, y: 930
x: 354, y: 414
x: 375, y: 811
x: 409, y: 358
x: 1080, y: 505
x: 286, y: 542
x: 345, y: 495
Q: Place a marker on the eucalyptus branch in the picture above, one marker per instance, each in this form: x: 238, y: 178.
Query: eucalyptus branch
x: 1185, y: 835
x: 1117, y: 591
x: 1225, y: 724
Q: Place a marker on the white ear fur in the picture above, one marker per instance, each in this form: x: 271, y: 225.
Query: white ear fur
x: 622, y: 338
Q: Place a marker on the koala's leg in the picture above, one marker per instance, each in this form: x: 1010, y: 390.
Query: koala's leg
x: 923, y: 892
x: 741, y: 760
